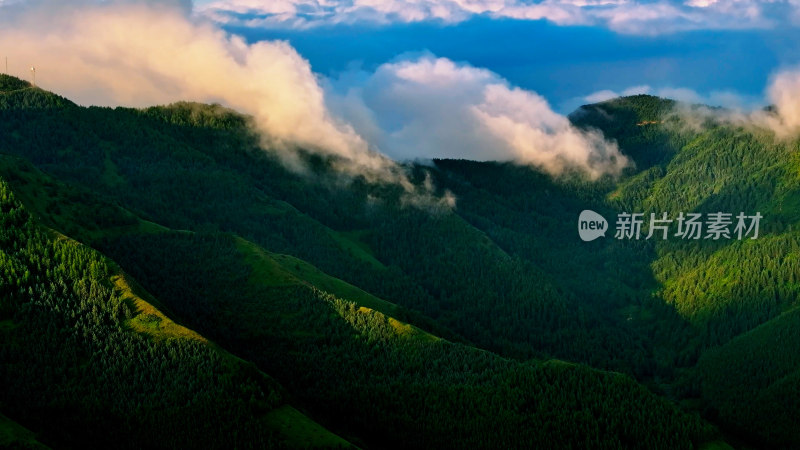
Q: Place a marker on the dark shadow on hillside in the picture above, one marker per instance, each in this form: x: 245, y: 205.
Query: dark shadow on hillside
x: 606, y: 316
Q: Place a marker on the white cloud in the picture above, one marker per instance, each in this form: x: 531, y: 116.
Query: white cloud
x: 623, y: 16
x: 145, y: 53
x: 430, y: 107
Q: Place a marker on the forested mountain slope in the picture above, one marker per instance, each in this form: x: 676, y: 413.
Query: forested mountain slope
x: 266, y: 261
x: 381, y: 382
x: 85, y: 359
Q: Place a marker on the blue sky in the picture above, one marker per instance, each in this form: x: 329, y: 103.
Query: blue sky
x: 725, y: 53
x: 560, y: 63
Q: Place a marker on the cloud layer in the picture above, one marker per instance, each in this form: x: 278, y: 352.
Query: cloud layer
x: 144, y: 53
x: 623, y: 16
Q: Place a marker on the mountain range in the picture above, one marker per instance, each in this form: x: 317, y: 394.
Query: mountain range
x: 169, y: 282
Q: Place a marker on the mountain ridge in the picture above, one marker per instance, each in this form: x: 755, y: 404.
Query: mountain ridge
x: 499, y: 273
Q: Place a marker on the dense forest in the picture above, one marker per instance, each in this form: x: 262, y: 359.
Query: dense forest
x: 491, y: 325
x: 70, y: 358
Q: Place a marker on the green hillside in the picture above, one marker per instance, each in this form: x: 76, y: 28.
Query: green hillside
x: 490, y: 325
x: 258, y: 304
x: 85, y: 358
x: 385, y: 381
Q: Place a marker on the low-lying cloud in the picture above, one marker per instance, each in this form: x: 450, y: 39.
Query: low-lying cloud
x: 428, y: 107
